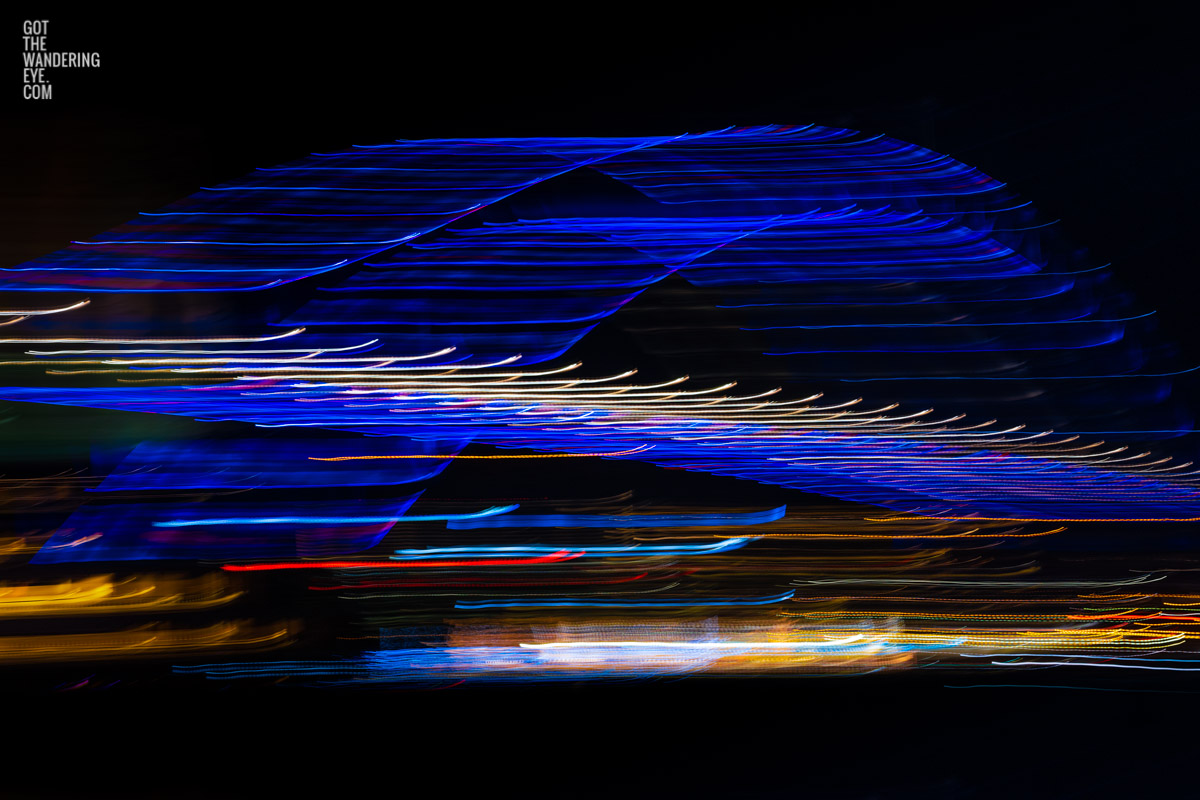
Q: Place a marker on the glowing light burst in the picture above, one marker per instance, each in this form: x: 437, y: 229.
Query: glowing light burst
x: 840, y: 318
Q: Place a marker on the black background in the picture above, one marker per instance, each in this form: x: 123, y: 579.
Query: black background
x: 1088, y: 109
